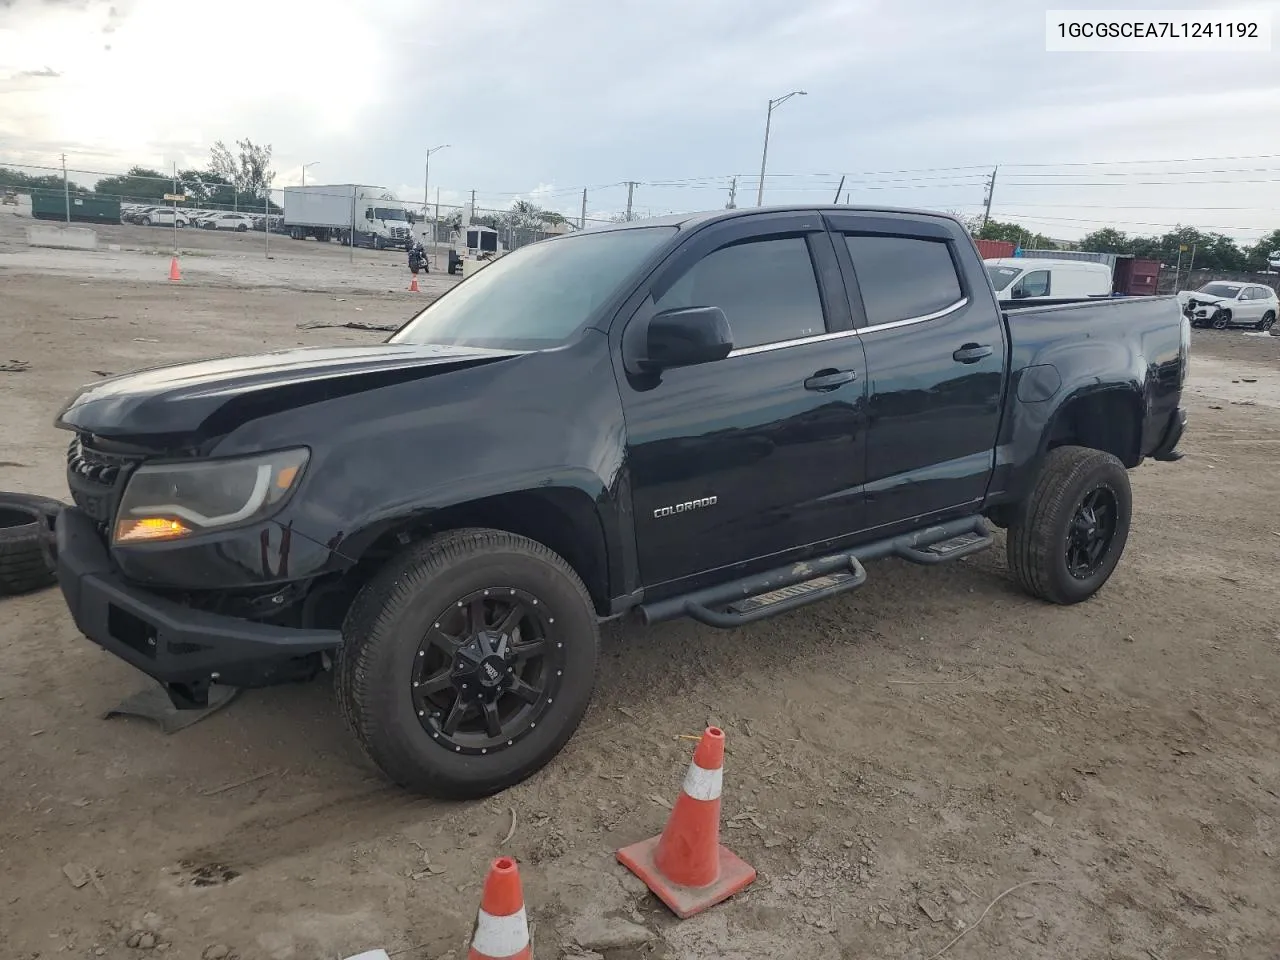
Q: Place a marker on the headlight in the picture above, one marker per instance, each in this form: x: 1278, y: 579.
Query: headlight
x: 168, y: 501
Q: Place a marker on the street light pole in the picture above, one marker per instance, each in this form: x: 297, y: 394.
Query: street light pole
x: 304, y: 170
x: 764, y: 157
x: 426, y: 185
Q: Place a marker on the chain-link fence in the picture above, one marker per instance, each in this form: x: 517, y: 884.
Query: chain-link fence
x: 365, y: 216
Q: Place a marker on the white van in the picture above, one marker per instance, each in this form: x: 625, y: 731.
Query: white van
x: 1021, y: 278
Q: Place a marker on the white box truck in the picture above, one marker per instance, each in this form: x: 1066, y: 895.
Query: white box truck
x: 373, y: 215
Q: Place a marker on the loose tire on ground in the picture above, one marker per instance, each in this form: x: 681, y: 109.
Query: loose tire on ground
x: 1039, y: 537
x: 386, y: 626
x: 25, y: 523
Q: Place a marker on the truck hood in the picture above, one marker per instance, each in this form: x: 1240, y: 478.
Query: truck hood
x: 1204, y: 299
x: 192, y: 402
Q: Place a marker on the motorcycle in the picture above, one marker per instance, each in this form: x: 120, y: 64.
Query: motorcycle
x: 418, y: 258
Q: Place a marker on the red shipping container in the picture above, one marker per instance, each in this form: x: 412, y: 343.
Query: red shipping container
x: 994, y: 249
x: 1137, y: 278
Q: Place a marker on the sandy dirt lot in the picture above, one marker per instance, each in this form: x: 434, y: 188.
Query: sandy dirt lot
x: 896, y: 759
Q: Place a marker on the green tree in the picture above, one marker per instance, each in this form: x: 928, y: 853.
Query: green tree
x: 140, y: 184
x: 1013, y: 233
x: 1107, y: 240
x: 206, y: 188
x: 26, y: 181
x: 248, y: 170
x: 1266, y: 249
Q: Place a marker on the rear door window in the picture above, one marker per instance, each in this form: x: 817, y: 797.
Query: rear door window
x: 902, y: 278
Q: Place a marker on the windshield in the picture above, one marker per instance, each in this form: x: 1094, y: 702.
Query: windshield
x: 1001, y: 277
x: 1228, y: 290
x: 387, y: 213
x: 538, y: 296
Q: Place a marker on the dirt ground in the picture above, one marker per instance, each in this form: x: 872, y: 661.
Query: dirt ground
x: 903, y: 754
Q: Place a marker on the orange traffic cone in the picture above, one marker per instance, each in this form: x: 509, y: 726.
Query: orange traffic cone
x: 174, y: 274
x: 502, y: 929
x: 686, y: 866
x: 413, y: 284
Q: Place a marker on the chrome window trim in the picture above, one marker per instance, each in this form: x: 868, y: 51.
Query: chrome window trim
x: 936, y: 315
x: 783, y: 344
x: 841, y: 334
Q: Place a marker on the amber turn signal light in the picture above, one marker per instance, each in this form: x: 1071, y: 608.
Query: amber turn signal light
x: 141, y: 529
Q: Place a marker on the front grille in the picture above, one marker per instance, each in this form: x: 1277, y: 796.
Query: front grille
x: 96, y: 478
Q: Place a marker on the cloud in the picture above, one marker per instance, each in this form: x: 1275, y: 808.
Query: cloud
x: 542, y: 100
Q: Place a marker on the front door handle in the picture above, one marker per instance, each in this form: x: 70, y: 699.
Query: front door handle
x: 971, y: 353
x: 829, y: 379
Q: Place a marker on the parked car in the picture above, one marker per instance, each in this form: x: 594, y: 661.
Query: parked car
x: 720, y: 416
x: 135, y: 213
x: 1017, y: 278
x: 229, y: 221
x: 164, y: 217
x: 1223, y: 304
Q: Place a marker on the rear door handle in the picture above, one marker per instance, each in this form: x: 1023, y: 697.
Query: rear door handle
x: 829, y: 379
x: 971, y: 353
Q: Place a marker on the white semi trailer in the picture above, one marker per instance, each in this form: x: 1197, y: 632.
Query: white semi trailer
x: 373, y: 216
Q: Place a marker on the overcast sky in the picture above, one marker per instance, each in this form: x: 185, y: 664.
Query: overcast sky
x: 540, y: 98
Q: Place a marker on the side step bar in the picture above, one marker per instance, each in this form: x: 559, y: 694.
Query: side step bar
x: 800, y: 584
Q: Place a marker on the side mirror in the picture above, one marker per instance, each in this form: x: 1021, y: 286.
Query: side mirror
x: 685, y: 337
x: 1019, y: 293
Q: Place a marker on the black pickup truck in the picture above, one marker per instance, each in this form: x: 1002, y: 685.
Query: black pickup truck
x: 720, y: 416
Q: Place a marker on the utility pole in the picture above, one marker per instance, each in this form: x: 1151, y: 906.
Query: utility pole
x: 472, y: 212
x: 733, y: 195
x: 991, y: 192
x: 435, y: 255
x: 175, y: 208
x: 838, y: 189
x: 582, y: 221
x: 66, y: 187
x: 631, y: 191
x: 426, y: 187
x: 764, y: 155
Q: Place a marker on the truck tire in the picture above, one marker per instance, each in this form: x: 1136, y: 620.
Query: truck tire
x: 25, y: 524
x: 1268, y: 321
x: 468, y: 662
x: 1066, y: 539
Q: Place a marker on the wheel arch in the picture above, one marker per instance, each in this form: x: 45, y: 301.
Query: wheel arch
x: 564, y: 519
x: 1108, y: 419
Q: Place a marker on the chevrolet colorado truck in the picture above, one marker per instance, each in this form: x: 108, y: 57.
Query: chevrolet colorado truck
x: 719, y: 416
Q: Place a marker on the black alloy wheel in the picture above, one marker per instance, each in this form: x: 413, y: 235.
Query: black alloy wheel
x: 468, y: 661
x: 487, y: 671
x: 1092, y: 531
x: 1067, y: 536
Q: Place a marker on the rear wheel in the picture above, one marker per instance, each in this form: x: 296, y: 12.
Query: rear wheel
x: 468, y: 662
x: 1268, y: 320
x: 1066, y: 539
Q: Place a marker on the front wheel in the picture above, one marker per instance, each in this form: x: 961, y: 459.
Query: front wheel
x: 468, y: 662
x: 1066, y: 539
x: 1268, y: 321
x: 1221, y: 319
